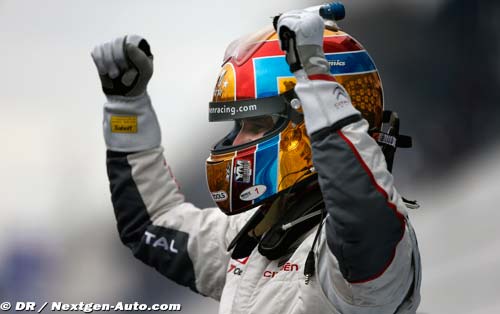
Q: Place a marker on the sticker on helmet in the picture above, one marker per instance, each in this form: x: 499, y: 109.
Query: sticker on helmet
x: 219, y: 196
x: 225, y: 89
x: 253, y: 192
x: 243, y: 171
x: 337, y: 63
x: 228, y: 171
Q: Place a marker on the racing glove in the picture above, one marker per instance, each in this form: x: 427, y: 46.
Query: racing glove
x: 125, y: 66
x: 324, y: 101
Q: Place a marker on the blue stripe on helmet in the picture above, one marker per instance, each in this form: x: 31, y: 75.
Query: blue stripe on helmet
x: 350, y: 62
x: 268, y: 69
x: 266, y: 166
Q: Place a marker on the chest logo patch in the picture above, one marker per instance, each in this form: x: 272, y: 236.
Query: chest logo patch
x: 288, y: 267
x: 236, y: 266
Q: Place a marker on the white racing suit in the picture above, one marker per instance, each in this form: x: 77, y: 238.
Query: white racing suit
x: 367, y: 258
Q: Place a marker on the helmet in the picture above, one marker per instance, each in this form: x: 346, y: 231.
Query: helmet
x: 268, y: 150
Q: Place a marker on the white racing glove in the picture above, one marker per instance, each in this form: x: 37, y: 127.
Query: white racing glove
x: 125, y: 66
x: 324, y: 101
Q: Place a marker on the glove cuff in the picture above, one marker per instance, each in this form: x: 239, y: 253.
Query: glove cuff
x: 324, y: 101
x: 130, y: 124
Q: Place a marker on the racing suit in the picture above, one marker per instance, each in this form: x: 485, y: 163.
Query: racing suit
x: 188, y: 245
x: 367, y: 258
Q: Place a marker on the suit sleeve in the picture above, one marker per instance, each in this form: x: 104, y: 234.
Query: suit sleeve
x: 370, y: 260
x: 184, y: 243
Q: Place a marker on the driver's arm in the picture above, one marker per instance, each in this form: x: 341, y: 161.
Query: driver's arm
x: 182, y: 242
x: 369, y: 262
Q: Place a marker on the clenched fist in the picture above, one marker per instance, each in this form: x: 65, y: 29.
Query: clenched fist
x: 125, y: 65
x: 324, y: 101
x: 301, y: 37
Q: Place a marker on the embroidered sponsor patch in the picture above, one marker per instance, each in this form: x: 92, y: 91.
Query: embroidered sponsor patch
x: 288, y: 267
x: 123, y: 124
x: 235, y: 268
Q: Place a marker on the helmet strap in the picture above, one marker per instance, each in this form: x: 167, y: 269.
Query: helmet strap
x: 389, y: 141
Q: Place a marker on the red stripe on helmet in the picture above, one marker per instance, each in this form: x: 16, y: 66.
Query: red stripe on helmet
x: 322, y: 77
x: 243, y: 162
x: 334, y: 44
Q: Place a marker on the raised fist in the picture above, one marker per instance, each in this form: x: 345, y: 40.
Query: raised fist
x: 301, y: 37
x: 125, y: 65
x: 324, y: 101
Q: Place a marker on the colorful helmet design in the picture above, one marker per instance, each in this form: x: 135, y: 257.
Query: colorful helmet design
x: 255, y: 89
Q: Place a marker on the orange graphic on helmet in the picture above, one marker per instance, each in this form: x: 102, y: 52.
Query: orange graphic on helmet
x: 225, y: 88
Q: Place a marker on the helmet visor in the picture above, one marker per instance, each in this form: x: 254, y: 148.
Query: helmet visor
x: 253, y: 129
x: 242, y: 49
x: 255, y: 120
x: 250, y: 131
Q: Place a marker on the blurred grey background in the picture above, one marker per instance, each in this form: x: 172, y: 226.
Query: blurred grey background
x: 439, y: 61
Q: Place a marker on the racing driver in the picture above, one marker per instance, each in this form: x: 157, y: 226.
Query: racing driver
x: 307, y: 219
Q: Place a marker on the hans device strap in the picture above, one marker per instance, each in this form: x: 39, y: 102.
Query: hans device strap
x: 278, y: 241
